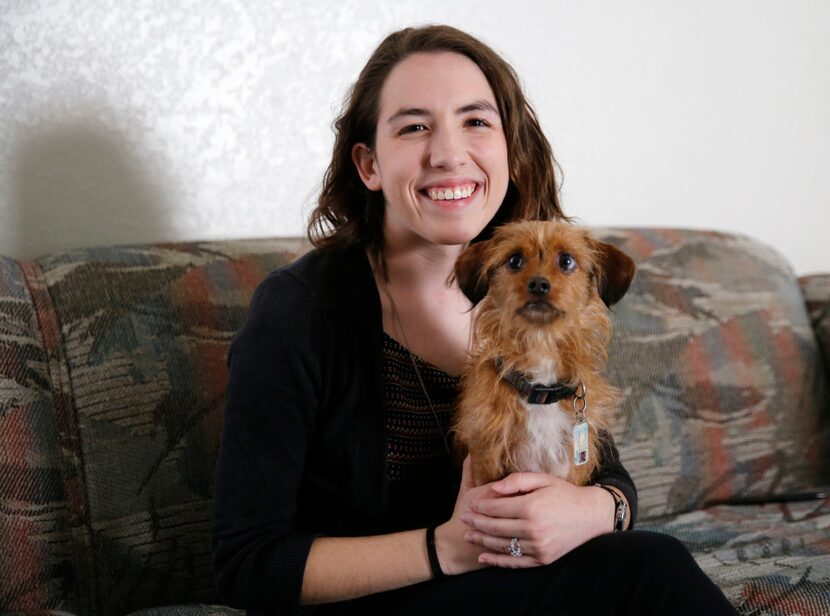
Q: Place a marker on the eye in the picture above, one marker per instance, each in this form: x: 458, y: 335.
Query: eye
x: 567, y: 263
x: 413, y: 128
x: 477, y: 122
x: 515, y: 261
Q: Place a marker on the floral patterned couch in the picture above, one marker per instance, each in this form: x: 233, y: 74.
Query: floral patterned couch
x: 112, y: 370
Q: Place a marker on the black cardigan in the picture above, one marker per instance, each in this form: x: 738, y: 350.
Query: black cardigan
x: 303, y: 442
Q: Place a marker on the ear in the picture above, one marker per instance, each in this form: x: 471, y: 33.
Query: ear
x: 615, y: 271
x: 364, y: 161
x: 469, y: 271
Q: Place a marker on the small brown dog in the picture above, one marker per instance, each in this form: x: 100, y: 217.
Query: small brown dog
x: 533, y: 391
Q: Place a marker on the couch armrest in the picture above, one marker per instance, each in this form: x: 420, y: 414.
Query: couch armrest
x: 816, y: 289
x: 38, y: 540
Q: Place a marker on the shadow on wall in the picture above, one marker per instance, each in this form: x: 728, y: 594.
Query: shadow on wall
x: 77, y: 185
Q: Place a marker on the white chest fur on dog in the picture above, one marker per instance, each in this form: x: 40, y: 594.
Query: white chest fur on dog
x: 548, y: 446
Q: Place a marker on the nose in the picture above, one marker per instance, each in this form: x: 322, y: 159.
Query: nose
x: 446, y: 149
x: 538, y: 286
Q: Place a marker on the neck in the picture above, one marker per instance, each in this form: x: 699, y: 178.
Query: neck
x: 420, y: 268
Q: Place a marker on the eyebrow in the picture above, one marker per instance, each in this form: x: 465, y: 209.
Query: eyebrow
x: 479, y: 105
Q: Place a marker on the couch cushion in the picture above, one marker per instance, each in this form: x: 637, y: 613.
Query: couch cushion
x: 39, y: 565
x: 772, y: 559
x: 725, y: 393
x: 145, y: 332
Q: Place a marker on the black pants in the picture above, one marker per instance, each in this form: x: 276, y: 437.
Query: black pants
x: 634, y: 573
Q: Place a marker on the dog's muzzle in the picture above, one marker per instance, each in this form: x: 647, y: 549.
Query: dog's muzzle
x: 539, y: 311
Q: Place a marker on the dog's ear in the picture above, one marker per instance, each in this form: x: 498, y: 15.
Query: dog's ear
x: 615, y: 269
x: 469, y: 271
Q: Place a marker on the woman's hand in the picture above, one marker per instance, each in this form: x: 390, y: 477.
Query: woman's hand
x: 455, y: 553
x: 548, y: 515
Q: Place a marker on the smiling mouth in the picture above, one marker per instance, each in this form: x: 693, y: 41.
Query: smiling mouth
x: 454, y: 193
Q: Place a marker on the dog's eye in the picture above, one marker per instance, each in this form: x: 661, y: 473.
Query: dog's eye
x: 515, y: 261
x: 567, y: 263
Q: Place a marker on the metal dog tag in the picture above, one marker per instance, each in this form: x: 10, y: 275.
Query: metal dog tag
x: 581, y: 443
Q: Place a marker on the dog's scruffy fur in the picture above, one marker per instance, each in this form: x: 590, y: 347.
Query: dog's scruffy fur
x: 544, y: 314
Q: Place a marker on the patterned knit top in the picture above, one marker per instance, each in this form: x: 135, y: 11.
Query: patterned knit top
x: 415, y: 448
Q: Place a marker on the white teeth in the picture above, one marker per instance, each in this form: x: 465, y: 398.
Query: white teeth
x: 444, y: 194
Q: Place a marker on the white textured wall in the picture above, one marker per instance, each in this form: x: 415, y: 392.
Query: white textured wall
x: 157, y: 120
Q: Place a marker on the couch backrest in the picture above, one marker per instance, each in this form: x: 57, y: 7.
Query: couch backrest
x: 725, y: 390
x: 137, y: 373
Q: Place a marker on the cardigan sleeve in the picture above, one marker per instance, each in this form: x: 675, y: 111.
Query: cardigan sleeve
x: 272, y: 398
x: 612, y: 472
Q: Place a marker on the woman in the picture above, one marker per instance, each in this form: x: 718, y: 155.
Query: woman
x: 336, y: 486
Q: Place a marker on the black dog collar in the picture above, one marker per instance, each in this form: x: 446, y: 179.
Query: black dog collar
x: 535, y: 393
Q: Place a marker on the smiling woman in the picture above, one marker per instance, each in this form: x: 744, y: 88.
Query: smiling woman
x: 348, y: 214
x: 337, y: 491
x: 440, y: 155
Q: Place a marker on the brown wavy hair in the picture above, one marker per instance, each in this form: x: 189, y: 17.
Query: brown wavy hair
x: 349, y: 214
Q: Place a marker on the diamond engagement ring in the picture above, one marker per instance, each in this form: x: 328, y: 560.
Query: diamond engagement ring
x: 515, y: 547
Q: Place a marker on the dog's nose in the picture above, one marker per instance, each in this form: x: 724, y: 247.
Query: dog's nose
x: 538, y: 286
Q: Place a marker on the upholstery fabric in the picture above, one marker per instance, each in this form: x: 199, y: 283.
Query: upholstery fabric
x: 39, y: 566
x: 190, y: 610
x: 724, y: 386
x: 816, y: 289
x: 138, y: 339
x: 769, y: 560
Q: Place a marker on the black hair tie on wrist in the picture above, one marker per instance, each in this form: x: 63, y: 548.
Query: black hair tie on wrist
x: 434, y: 563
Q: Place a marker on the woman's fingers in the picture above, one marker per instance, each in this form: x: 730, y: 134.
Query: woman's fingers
x: 495, y: 527
x: 500, y: 545
x: 522, y: 483
x: 501, y: 554
x: 522, y: 505
x: 516, y: 507
x: 507, y: 561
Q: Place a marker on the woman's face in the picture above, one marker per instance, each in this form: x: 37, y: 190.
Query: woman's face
x: 440, y: 154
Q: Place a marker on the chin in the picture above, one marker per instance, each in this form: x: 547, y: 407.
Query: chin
x: 447, y: 234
